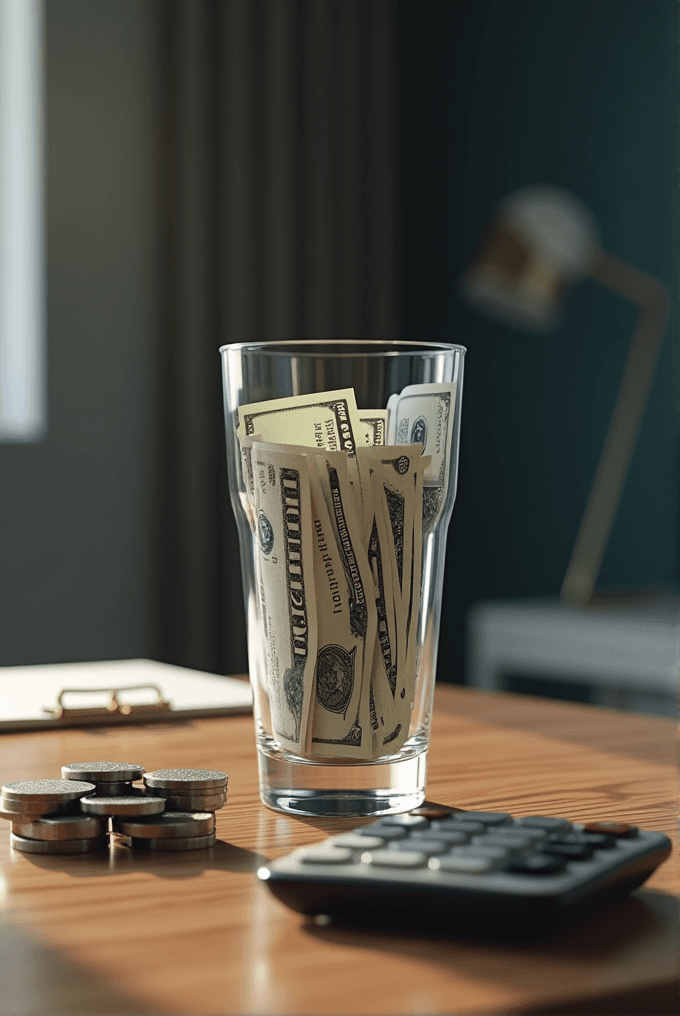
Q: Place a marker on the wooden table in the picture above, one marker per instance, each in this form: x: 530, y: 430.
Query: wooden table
x: 198, y: 933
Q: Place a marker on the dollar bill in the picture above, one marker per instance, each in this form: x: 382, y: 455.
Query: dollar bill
x: 325, y: 420
x: 346, y: 617
x: 374, y: 424
x: 425, y: 414
x: 384, y: 675
x: 407, y: 676
x: 395, y: 467
x: 287, y: 589
x: 322, y: 420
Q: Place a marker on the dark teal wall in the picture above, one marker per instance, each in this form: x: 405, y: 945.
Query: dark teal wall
x: 497, y: 94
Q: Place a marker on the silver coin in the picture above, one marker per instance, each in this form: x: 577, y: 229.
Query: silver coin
x: 84, y: 846
x: 46, y: 790
x: 203, y: 803
x: 12, y: 810
x: 65, y: 827
x: 169, y: 825
x: 167, y: 844
x: 186, y: 780
x: 102, y: 772
x: 195, y: 795
x: 132, y: 804
x: 114, y: 790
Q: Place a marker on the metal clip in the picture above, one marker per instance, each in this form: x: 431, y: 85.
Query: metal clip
x: 114, y: 707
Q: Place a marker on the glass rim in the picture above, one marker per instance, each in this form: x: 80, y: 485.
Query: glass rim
x: 394, y: 347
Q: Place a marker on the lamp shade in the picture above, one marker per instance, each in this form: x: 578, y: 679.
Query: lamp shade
x: 542, y: 240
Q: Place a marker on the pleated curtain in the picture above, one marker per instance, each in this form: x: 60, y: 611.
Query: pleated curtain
x: 277, y: 185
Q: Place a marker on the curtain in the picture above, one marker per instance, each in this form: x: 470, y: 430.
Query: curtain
x: 277, y: 180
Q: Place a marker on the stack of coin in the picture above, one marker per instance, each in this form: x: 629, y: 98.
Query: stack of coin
x: 171, y: 831
x: 190, y: 790
x: 174, y: 811
x: 43, y: 822
x: 111, y: 779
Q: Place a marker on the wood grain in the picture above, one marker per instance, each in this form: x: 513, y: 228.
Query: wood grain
x: 197, y: 933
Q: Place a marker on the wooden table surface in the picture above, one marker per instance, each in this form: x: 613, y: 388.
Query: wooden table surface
x: 198, y: 933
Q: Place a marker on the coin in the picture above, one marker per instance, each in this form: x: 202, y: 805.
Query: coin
x: 180, y: 843
x: 169, y: 825
x: 46, y: 790
x: 204, y: 802
x: 66, y: 827
x: 14, y: 810
x: 114, y: 790
x: 133, y: 804
x: 81, y: 846
x: 186, y: 780
x: 195, y: 795
x: 102, y: 772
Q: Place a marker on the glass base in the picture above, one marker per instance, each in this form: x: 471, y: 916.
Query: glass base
x: 301, y: 787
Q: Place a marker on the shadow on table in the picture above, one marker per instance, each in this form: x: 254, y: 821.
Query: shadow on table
x: 120, y: 860
x: 36, y: 979
x: 639, y: 933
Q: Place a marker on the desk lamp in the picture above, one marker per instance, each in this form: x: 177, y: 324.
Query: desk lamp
x: 541, y: 242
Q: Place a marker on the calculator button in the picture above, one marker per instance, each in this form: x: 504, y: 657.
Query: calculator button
x: 491, y: 853
x: 551, y: 825
x: 384, y: 831
x: 456, y: 826
x: 487, y: 818
x: 423, y: 846
x: 395, y: 859
x: 519, y: 832
x: 570, y: 851
x: 619, y: 829
x: 512, y: 842
x: 326, y: 855
x: 599, y: 841
x: 535, y: 864
x: 445, y: 835
x: 404, y: 821
x: 468, y: 865
x: 354, y: 842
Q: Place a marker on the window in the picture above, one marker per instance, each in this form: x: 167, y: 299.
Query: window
x: 23, y: 375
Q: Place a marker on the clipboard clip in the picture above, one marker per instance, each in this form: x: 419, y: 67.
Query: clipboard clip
x: 113, y: 707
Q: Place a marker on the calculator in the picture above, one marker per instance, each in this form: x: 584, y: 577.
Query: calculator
x: 467, y: 873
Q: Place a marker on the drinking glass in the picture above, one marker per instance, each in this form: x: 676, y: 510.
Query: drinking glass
x: 259, y: 371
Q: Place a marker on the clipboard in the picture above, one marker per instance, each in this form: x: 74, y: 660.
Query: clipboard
x: 53, y: 696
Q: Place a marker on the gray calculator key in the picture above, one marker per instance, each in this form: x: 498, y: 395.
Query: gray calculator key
x: 464, y: 864
x: 326, y: 855
x: 384, y: 831
x: 492, y: 853
x: 487, y: 818
x: 423, y: 846
x: 405, y: 821
x: 551, y: 825
x: 450, y: 824
x: 397, y: 859
x: 519, y: 832
x: 446, y: 836
x: 354, y: 842
x: 512, y: 842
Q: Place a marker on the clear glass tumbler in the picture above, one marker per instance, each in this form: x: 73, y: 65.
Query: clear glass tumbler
x: 260, y: 371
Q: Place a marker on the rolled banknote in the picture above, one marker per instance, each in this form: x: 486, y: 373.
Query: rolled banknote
x: 287, y: 590
x: 346, y: 617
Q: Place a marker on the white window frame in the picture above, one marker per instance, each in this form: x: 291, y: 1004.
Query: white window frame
x: 23, y: 373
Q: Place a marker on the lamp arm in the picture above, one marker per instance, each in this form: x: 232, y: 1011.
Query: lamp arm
x: 605, y: 493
